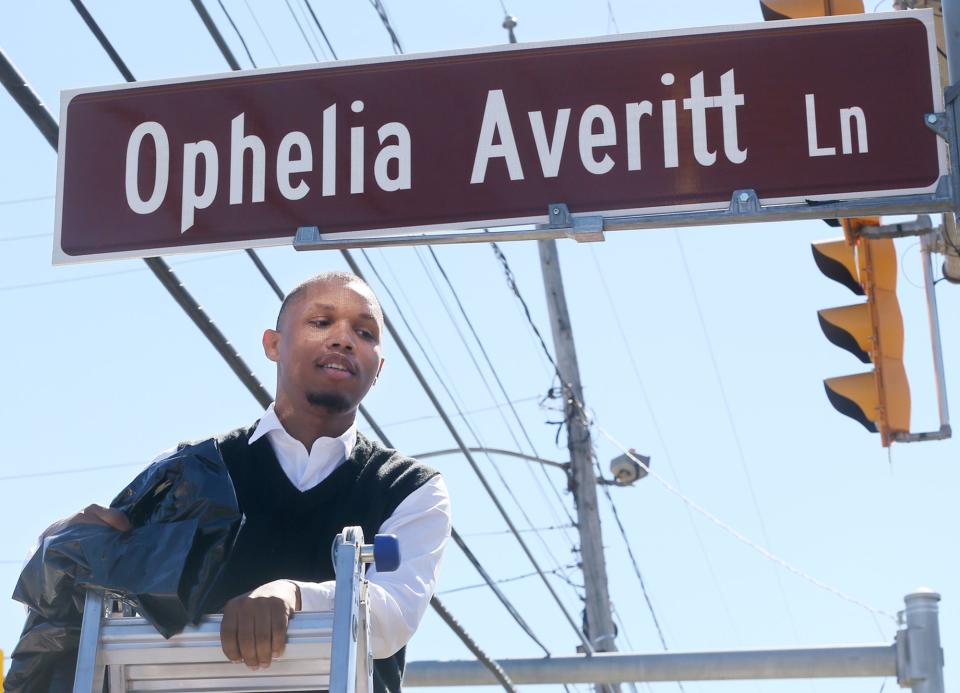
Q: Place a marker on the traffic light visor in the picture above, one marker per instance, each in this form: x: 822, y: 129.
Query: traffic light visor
x: 849, y: 327
x: 837, y: 260
x: 796, y: 9
x: 856, y: 397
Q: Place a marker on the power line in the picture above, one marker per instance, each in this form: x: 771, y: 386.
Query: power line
x: 62, y: 472
x: 355, y: 268
x: 128, y: 76
x: 633, y: 559
x: 425, y: 334
x: 492, y: 665
x: 739, y: 536
x: 387, y: 24
x: 211, y: 27
x: 512, y: 283
x: 570, y: 394
x: 303, y: 32
x: 496, y: 376
x: 20, y: 90
x: 503, y: 581
x: 243, y: 42
x: 27, y: 99
x: 22, y: 200
x: 479, y: 410
x: 611, y: 19
x: 483, y: 378
x: 651, y: 411
x: 475, y: 562
x: 458, y: 540
x: 263, y: 34
x: 381, y: 10
x: 320, y: 27
x: 453, y: 400
x: 733, y: 427
x: 501, y: 532
x: 24, y: 237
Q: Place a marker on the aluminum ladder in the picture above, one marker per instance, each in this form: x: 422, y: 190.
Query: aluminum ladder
x: 327, y: 650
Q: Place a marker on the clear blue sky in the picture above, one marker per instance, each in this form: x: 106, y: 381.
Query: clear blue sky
x: 100, y: 367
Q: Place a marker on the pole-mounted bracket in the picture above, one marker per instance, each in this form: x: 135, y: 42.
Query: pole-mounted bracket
x: 938, y: 123
x: 744, y: 202
x: 307, y: 237
x: 585, y: 229
x: 920, y: 226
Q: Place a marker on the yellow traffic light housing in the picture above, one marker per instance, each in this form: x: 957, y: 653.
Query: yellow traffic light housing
x: 871, y: 331
x: 797, y: 9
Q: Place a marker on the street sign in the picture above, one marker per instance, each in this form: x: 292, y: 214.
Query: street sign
x: 820, y: 109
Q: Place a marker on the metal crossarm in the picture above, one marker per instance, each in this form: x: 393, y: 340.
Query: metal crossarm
x: 325, y: 650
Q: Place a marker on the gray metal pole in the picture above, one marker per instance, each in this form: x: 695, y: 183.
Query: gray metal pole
x: 921, y: 663
x: 826, y: 662
x: 949, y: 26
x: 933, y: 316
x: 599, y: 618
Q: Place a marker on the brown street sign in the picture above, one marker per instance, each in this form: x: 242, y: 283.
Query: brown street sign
x: 822, y: 109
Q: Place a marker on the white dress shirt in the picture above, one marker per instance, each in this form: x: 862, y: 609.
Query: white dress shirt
x: 421, y: 523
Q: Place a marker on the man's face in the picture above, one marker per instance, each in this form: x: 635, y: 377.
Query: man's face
x: 327, y: 347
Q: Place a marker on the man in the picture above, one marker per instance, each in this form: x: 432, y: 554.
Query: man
x: 303, y: 472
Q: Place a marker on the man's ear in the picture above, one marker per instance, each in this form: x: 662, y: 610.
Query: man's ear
x: 271, y: 344
x: 379, y: 370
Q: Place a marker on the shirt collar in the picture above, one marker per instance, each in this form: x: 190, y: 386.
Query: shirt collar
x: 271, y: 422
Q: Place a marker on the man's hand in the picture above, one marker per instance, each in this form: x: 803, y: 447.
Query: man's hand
x: 254, y: 627
x: 92, y: 515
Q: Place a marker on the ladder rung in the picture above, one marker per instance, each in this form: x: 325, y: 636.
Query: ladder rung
x: 131, y: 641
x: 230, y: 684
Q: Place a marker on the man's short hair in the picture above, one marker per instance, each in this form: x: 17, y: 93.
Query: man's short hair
x: 324, y: 277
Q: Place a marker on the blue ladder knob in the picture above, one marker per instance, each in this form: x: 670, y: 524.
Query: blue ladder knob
x: 386, y: 553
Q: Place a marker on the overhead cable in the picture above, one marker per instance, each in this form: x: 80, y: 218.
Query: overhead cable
x: 28, y: 100
x: 320, y: 27
x: 496, y: 376
x: 263, y: 34
x: 503, y: 581
x: 128, y: 76
x: 492, y: 665
x: 741, y: 456
x: 739, y: 536
x: 355, y: 268
x: 490, y: 582
x: 496, y: 590
x: 472, y: 431
x: 388, y: 25
x: 21, y: 200
x: 651, y: 412
x: 379, y: 431
x: 218, y: 38
x: 303, y: 31
x: 468, y: 412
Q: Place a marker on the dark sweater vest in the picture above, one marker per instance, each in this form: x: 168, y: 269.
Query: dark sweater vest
x: 287, y: 533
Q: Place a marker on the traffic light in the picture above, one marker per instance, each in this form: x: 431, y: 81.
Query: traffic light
x: 871, y: 331
x: 797, y: 9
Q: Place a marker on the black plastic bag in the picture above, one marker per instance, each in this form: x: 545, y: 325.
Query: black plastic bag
x: 185, y: 519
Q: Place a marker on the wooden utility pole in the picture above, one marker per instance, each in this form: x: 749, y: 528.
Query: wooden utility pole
x: 599, y: 618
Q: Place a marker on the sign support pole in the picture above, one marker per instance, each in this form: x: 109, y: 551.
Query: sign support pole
x: 950, y: 11
x: 600, y: 629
